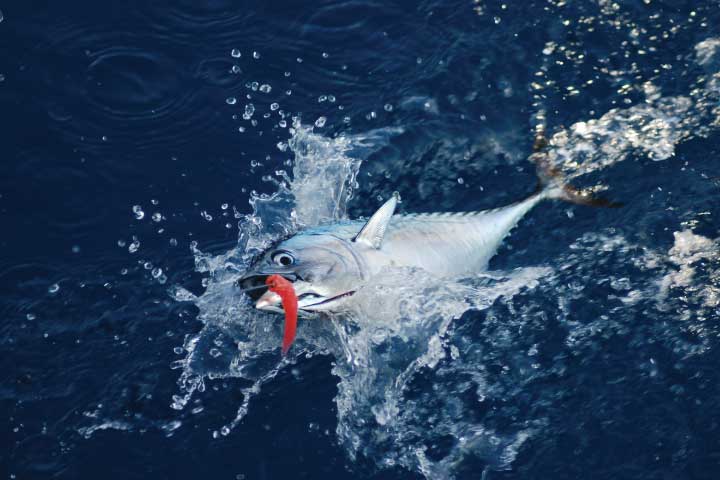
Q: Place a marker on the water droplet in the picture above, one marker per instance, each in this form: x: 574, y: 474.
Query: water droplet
x: 249, y: 110
x: 124, y: 271
x: 241, y: 129
x: 265, y: 88
x: 325, y: 55
x: 173, y: 242
x: 331, y: 98
x: 274, y: 106
x: 322, y: 98
x: 388, y: 107
x: 30, y: 316
x: 461, y: 180
x: 157, y: 272
x: 256, y: 55
x: 235, y: 53
x: 138, y: 211
x: 134, y: 246
x: 496, y: 20
x: 54, y: 288
x: 228, y: 225
x: 231, y: 100
x: 147, y: 265
x: 104, y: 138
x: 299, y: 60
x: 320, y: 122
x: 235, y: 69
x: 282, y: 123
x: 157, y: 216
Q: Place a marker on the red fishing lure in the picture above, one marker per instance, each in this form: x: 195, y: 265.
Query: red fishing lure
x: 284, y: 288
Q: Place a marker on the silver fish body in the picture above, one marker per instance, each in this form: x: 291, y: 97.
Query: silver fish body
x: 328, y: 263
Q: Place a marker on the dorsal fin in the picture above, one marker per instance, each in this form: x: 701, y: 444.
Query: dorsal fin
x: 373, y: 232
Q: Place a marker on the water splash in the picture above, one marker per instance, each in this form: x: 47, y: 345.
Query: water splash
x: 411, y: 376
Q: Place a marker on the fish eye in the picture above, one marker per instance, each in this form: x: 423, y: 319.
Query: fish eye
x: 283, y: 259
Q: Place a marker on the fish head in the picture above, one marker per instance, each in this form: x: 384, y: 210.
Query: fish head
x: 322, y: 267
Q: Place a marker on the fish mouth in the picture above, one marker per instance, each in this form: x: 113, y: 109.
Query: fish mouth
x: 254, y: 284
x: 309, y: 301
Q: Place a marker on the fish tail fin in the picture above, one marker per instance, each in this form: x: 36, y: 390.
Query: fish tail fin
x: 551, y: 183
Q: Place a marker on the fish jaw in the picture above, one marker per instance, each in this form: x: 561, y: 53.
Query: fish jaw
x: 309, y: 300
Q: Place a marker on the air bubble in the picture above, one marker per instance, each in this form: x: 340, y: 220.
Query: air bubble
x: 256, y: 55
x: 173, y: 242
x: 320, y: 122
x: 265, y: 88
x: 157, y: 216
x: 30, y: 316
x: 274, y: 106
x: 54, y: 288
x: 235, y: 53
x: 157, y: 272
x: 388, y: 107
x: 231, y: 100
x: 224, y: 206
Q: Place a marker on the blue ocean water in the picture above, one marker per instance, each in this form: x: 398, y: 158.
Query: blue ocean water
x: 149, y: 149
